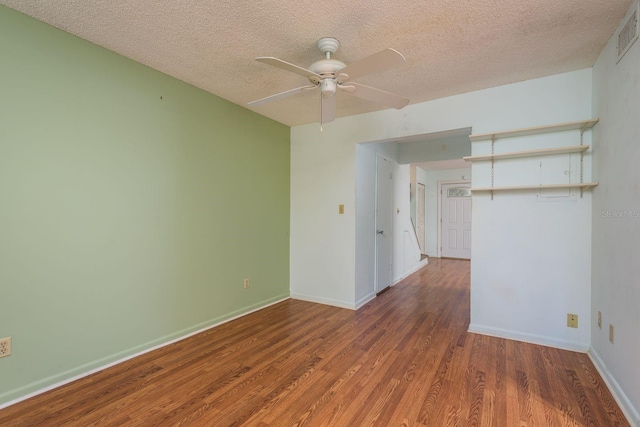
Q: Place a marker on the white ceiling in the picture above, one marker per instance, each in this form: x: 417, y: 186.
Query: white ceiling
x: 451, y: 47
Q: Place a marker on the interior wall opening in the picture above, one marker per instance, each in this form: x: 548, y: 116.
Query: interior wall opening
x: 419, y: 163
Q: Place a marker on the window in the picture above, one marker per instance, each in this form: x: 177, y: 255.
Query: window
x: 459, y: 192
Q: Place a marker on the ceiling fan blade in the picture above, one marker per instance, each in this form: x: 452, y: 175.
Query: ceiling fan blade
x: 377, y: 95
x: 280, y: 95
x: 279, y: 63
x: 328, y: 108
x: 372, y: 64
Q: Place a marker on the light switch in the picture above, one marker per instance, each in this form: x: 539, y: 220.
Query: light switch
x: 341, y: 209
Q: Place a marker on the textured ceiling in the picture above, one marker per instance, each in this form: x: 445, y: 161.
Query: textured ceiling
x: 451, y: 46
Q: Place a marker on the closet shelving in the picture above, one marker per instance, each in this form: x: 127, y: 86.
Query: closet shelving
x: 493, y: 157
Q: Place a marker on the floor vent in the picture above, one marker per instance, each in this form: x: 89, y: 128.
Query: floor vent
x: 628, y: 33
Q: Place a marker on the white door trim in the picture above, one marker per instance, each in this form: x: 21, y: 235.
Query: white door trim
x: 439, y: 199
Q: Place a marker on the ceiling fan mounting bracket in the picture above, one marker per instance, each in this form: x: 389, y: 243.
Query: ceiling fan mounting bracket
x: 328, y: 45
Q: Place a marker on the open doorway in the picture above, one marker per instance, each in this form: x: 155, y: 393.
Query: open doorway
x: 430, y: 174
x: 418, y: 163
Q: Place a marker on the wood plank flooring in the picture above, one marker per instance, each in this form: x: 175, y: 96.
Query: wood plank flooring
x: 404, y: 359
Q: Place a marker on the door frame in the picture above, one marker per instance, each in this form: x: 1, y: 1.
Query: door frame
x: 375, y: 222
x: 421, y: 224
x: 440, y: 184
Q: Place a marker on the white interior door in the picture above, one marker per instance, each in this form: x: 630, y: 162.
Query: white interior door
x: 384, y: 223
x: 455, y: 202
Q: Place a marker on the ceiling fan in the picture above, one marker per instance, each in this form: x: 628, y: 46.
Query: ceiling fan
x: 331, y: 75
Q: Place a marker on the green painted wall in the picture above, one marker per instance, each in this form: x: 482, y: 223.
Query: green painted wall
x: 132, y: 205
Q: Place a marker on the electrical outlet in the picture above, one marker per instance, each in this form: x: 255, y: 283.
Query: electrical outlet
x: 572, y: 320
x: 600, y: 320
x: 246, y: 282
x: 611, y: 334
x: 5, y: 347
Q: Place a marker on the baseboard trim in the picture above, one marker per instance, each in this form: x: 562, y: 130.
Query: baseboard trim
x: 365, y: 300
x: 409, y: 272
x: 58, y: 380
x: 530, y: 338
x: 629, y: 411
x: 325, y: 301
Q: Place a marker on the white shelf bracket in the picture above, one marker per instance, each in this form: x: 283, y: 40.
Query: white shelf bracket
x: 582, y: 161
x: 493, y: 143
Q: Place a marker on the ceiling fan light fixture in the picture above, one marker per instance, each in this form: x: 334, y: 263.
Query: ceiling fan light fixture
x: 328, y: 87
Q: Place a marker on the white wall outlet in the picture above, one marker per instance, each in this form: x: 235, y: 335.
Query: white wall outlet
x: 5, y: 347
x: 246, y: 282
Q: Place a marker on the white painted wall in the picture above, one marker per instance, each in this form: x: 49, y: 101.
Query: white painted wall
x: 616, y: 223
x: 323, y: 261
x: 432, y: 199
x: 432, y: 150
x: 323, y: 256
x: 530, y: 257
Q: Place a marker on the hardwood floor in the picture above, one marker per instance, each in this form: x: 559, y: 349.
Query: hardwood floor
x: 405, y: 359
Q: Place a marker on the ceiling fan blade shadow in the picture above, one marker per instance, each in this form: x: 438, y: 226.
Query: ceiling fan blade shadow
x: 327, y: 108
x: 280, y: 95
x: 373, y: 64
x: 279, y: 63
x: 377, y: 95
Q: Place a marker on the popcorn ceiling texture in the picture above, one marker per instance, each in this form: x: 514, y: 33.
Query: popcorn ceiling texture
x: 451, y: 46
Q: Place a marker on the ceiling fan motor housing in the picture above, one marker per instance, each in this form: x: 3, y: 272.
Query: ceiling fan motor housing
x: 327, y: 67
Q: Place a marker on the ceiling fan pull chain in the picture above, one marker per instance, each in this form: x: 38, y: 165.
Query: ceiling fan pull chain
x: 321, y: 118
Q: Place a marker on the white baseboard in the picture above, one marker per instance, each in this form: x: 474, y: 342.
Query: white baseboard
x: 362, y: 301
x: 325, y: 301
x: 530, y: 338
x: 67, y: 377
x: 409, y: 272
x: 365, y: 300
x: 629, y: 411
